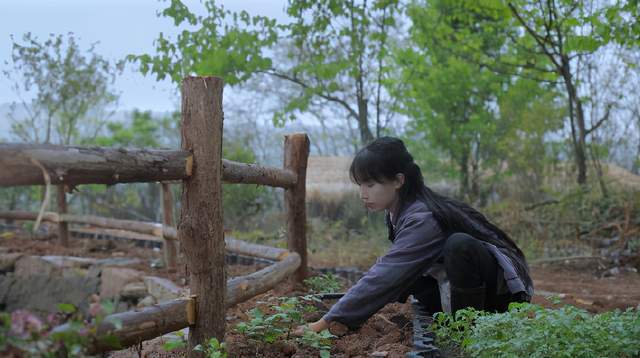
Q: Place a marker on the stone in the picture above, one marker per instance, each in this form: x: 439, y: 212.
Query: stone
x: 113, y: 280
x: 379, y: 354
x: 8, y: 262
x: 67, y: 266
x: 614, y: 271
x: 42, y: 293
x: 6, y: 281
x: 147, y: 301
x: 162, y: 289
x: 134, y: 291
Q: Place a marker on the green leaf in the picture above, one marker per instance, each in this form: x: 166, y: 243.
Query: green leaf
x: 582, y: 44
x: 66, y: 308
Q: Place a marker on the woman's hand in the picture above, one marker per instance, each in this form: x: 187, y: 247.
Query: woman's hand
x: 317, y: 326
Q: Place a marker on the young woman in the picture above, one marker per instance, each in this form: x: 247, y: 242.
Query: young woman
x: 432, y: 236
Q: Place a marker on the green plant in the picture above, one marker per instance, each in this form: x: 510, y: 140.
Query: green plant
x: 325, y: 283
x: 260, y: 328
x: 212, y: 349
x: 288, y: 314
x: 535, y: 331
x: 319, y: 340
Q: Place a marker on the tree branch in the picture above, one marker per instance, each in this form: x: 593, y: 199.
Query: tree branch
x: 604, y: 118
x: 535, y: 36
x: 302, y: 84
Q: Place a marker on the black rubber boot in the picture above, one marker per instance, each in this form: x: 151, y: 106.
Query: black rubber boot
x: 468, y: 297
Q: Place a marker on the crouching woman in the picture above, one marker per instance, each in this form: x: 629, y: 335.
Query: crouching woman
x: 432, y: 236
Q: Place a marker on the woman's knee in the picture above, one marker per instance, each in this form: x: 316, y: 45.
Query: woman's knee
x: 458, y: 243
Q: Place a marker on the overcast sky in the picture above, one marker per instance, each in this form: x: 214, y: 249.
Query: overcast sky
x: 120, y: 26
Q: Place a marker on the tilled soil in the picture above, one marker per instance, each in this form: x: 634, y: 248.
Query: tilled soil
x: 388, y: 332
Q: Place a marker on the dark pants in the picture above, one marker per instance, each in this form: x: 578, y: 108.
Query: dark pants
x: 472, y: 269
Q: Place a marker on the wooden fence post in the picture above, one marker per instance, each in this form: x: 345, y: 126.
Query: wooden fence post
x: 63, y: 226
x: 169, y: 247
x: 200, y: 229
x: 296, y: 154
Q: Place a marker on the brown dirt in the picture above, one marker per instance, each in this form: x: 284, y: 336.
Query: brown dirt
x: 584, y: 288
x: 389, y: 330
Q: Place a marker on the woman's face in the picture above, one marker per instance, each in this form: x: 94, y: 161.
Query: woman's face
x: 381, y: 196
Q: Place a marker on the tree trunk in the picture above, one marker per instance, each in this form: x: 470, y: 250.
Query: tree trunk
x: 363, y: 122
x: 464, y: 173
x: 600, y: 174
x: 576, y: 115
x: 200, y: 230
x: 475, y: 173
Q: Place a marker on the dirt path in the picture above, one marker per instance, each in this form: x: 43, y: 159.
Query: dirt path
x: 584, y: 288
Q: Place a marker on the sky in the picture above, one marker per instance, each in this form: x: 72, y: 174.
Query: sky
x: 120, y: 27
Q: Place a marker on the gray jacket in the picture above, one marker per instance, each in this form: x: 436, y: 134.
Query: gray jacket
x: 418, y: 244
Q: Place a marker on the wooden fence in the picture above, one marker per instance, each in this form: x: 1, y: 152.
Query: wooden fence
x: 200, y: 167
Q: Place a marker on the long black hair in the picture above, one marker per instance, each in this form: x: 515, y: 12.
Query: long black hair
x: 384, y: 158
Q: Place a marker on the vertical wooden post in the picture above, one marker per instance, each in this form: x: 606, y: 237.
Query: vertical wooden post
x: 200, y: 228
x: 296, y: 154
x: 63, y: 226
x: 169, y: 246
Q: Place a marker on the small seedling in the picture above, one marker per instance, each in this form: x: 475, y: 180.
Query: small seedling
x: 212, y: 349
x: 261, y: 328
x: 320, y: 341
x: 325, y: 283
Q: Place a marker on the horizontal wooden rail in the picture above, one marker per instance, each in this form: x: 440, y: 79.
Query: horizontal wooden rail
x: 141, y: 227
x: 138, y: 326
x: 117, y: 233
x: 22, y: 164
x: 234, y: 172
x: 242, y: 288
x: 147, y: 228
